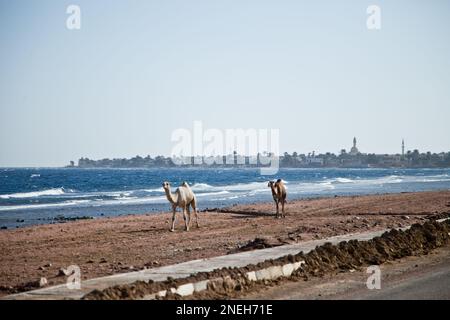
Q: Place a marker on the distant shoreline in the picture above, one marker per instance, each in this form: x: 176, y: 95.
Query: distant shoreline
x: 223, y: 167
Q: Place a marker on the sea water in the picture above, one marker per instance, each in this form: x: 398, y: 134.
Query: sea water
x: 31, y: 196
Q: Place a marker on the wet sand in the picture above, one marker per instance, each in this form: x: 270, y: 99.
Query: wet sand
x: 121, y: 244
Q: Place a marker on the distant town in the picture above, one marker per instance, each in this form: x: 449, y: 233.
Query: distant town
x: 345, y: 159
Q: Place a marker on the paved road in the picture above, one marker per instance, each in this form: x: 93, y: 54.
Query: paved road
x: 426, y: 277
x: 435, y: 285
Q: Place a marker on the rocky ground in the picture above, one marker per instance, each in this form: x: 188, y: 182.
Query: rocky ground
x: 110, y: 245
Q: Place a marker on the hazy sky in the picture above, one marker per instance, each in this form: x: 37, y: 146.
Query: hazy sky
x: 137, y: 70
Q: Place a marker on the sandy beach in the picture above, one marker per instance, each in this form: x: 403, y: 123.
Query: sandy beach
x: 111, y: 245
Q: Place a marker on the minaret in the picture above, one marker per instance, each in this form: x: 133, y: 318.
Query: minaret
x: 403, y: 148
x: 354, y: 150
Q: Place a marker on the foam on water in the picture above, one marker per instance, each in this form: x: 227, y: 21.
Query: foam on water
x: 46, y: 205
x: 48, y: 192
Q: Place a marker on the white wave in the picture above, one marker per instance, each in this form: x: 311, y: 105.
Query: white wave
x: 261, y: 187
x: 204, y: 187
x: 251, y: 186
x: 388, y: 179
x: 434, y: 180
x: 346, y: 183
x: 344, y: 180
x: 37, y: 175
x: 99, y: 202
x: 232, y: 197
x: 201, y: 187
x: 212, y: 193
x: 160, y: 189
x: 124, y: 197
x: 43, y: 205
x: 49, y: 192
x: 160, y: 199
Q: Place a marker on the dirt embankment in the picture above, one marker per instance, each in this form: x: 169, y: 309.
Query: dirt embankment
x: 107, y: 246
x: 420, y: 239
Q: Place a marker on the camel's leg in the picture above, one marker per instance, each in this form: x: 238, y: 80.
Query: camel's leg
x: 282, y: 209
x: 186, y: 227
x: 194, y: 207
x: 188, y: 211
x: 278, y: 210
x: 174, y: 209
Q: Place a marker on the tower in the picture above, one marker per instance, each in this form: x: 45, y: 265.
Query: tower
x: 403, y: 148
x: 354, y: 150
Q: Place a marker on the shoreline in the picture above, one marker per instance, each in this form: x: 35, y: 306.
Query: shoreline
x: 112, y: 245
x: 63, y: 219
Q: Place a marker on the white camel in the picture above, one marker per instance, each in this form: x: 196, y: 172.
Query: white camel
x: 183, y: 198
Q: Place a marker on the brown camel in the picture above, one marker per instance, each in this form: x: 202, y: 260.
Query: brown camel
x: 279, y: 195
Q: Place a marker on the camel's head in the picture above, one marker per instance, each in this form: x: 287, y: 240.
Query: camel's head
x: 166, y: 185
x: 271, y: 184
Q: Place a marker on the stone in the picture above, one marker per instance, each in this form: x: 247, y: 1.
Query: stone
x: 262, y: 274
x: 275, y: 272
x: 287, y: 269
x: 162, y: 293
x: 186, y: 289
x: 43, y: 282
x: 251, y: 276
x: 201, y: 285
x: 298, y: 265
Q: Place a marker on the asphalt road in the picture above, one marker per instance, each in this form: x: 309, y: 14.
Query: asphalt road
x: 412, y: 278
x: 435, y: 285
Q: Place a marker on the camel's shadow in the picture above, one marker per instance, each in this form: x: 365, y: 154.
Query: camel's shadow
x: 247, y: 214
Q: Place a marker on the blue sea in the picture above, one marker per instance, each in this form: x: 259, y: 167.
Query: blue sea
x: 31, y: 196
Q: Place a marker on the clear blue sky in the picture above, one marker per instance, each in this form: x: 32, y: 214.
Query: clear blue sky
x: 139, y: 69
